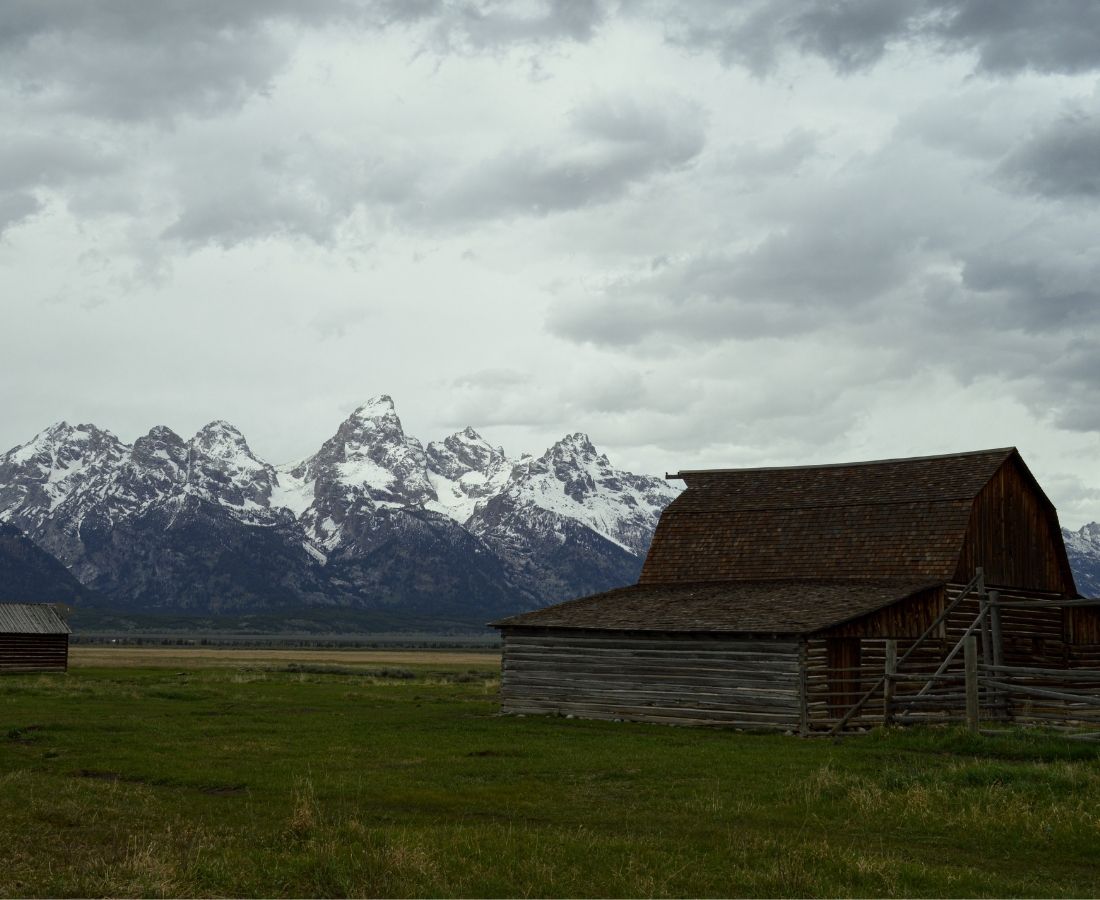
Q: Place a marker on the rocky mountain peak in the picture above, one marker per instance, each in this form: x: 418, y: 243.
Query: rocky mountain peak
x: 375, y: 410
x: 38, y: 476
x: 221, y: 440
x: 464, y: 468
x: 63, y: 442
x: 159, y: 447
x: 462, y: 452
x: 1083, y: 549
x: 222, y: 468
x: 370, y: 454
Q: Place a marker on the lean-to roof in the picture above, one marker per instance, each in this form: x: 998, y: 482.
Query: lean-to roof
x: 745, y: 607
x: 31, y: 618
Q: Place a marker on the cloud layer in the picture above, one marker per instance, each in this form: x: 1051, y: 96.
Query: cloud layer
x: 709, y: 233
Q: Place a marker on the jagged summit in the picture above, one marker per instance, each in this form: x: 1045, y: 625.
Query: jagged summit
x: 578, y: 441
x: 380, y: 407
x: 221, y: 439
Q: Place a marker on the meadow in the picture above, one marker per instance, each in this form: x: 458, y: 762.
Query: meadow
x: 394, y: 775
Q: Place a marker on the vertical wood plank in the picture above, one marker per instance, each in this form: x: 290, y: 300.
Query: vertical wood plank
x: 970, y: 665
x: 889, y: 687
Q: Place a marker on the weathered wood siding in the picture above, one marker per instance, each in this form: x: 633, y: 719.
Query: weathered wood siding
x: 907, y: 619
x: 1014, y: 535
x: 34, y: 652
x: 681, y: 679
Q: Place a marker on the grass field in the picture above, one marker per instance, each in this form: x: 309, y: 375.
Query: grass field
x: 387, y: 775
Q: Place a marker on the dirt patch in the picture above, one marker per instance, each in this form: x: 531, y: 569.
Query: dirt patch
x: 206, y: 657
x: 224, y: 790
x: 24, y: 734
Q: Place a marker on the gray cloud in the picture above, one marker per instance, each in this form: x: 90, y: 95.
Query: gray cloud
x: 782, y: 159
x: 614, y: 144
x: 126, y: 59
x: 1051, y: 36
x: 491, y: 24
x: 1060, y: 160
x: 134, y: 60
x: 31, y: 162
x: 16, y: 207
x: 308, y: 188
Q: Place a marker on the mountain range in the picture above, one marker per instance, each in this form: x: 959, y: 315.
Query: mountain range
x: 374, y: 520
x: 453, y: 531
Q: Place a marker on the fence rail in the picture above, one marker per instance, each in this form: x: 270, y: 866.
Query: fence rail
x: 956, y: 671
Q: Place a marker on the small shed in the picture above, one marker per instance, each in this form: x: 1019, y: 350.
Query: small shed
x: 768, y: 596
x: 33, y: 638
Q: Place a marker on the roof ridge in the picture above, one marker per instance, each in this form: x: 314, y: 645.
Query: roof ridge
x: 1006, y: 451
x: 822, y: 504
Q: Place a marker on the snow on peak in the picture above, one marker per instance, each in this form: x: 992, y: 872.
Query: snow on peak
x: 370, y: 460
x: 380, y: 407
x: 464, y: 468
x: 36, y: 477
x: 1083, y: 548
x: 221, y: 440
x: 574, y: 480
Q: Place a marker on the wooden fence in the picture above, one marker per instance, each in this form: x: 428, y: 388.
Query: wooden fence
x: 988, y: 658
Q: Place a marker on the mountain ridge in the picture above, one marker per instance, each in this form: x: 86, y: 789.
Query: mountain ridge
x: 374, y: 519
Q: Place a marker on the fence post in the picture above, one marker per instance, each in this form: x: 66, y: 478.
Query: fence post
x: 888, y: 688
x: 970, y: 661
x: 997, y: 636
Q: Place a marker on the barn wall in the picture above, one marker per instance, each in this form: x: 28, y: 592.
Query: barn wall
x: 1013, y: 534
x: 33, y: 652
x: 907, y: 619
x: 670, y: 678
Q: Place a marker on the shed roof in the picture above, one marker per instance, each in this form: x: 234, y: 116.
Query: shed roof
x: 31, y: 618
x: 746, y: 607
x: 896, y: 519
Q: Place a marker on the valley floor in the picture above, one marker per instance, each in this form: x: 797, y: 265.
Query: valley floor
x: 392, y: 776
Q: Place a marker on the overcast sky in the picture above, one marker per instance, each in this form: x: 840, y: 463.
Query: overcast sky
x: 710, y: 233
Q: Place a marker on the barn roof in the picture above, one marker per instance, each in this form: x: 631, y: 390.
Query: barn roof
x: 898, y: 519
x: 31, y: 618
x: 746, y: 607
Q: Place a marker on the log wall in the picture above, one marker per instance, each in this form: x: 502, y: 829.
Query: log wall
x: 34, y: 652
x: 681, y: 679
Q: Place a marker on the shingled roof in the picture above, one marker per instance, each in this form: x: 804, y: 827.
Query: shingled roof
x: 899, y: 519
x: 793, y: 550
x: 746, y: 607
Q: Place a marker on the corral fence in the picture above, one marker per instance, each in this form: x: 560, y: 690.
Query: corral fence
x: 962, y: 670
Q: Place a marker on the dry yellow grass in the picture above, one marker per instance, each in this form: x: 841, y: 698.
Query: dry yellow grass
x: 207, y: 657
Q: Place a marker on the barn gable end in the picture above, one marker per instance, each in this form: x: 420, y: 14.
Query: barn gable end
x: 1013, y: 534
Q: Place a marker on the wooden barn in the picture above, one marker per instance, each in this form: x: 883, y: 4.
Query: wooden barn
x: 33, y: 638
x: 777, y: 598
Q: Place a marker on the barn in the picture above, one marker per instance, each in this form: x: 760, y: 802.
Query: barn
x: 33, y: 638
x: 775, y: 598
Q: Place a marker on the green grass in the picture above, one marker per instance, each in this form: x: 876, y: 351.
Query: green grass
x: 317, y: 781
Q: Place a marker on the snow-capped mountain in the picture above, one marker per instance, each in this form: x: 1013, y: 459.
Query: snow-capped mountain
x: 372, y: 519
x: 465, y: 470
x: 1083, y: 548
x: 569, y: 519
